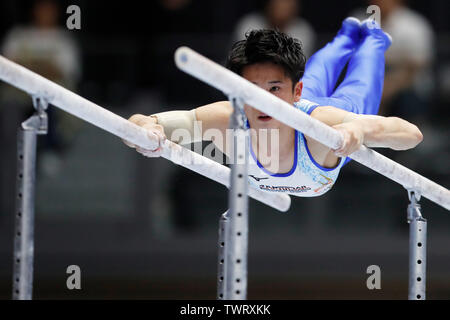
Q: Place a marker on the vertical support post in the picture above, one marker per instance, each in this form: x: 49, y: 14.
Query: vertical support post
x: 236, y: 231
x: 24, y: 225
x: 223, y: 227
x: 417, y: 249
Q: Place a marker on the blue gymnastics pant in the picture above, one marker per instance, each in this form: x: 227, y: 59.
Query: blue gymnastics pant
x: 360, y: 91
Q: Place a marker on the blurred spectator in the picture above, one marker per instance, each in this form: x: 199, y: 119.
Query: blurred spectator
x: 50, y: 51
x: 283, y: 15
x: 408, y: 81
x: 45, y: 47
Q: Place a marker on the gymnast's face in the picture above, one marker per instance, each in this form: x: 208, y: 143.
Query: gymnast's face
x: 273, y: 78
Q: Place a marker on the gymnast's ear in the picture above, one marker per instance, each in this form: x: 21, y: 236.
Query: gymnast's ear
x: 298, y: 88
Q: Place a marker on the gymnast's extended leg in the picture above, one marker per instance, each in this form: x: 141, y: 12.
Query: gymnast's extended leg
x: 362, y: 88
x: 324, y: 68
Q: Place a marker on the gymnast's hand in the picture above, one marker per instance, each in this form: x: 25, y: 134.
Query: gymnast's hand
x: 353, y: 135
x: 154, y: 130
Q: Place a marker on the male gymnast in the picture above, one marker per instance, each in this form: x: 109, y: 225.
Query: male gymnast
x: 275, y: 62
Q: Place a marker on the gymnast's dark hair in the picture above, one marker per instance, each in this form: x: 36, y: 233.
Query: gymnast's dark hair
x: 268, y: 46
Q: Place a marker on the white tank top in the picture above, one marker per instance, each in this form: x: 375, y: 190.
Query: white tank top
x: 306, y: 178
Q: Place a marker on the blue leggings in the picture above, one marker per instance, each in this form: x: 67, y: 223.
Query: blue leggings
x: 360, y: 91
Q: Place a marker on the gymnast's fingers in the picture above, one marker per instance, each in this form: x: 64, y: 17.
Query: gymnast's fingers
x: 340, y: 152
x: 150, y: 153
x: 155, y: 131
x: 139, y: 120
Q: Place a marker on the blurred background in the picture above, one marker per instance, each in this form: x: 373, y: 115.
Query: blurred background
x: 146, y: 229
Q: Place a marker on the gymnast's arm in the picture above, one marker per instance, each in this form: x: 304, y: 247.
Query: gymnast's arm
x: 370, y: 130
x: 207, y: 122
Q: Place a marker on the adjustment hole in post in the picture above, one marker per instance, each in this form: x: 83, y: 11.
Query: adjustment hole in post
x: 238, y: 234
x: 419, y: 279
x: 419, y: 296
x: 18, y: 260
x: 221, y: 261
x: 18, y: 234
x: 17, y: 291
x: 17, y: 279
x: 238, y: 261
x: 20, y: 196
x: 19, y: 214
x: 20, y: 176
x: 239, y: 214
x: 419, y: 261
x: 21, y: 157
x: 238, y: 292
x: 240, y: 175
x: 222, y: 244
x: 240, y: 195
x: 221, y: 278
x: 238, y: 280
x: 419, y: 244
x: 221, y: 295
